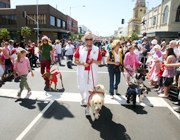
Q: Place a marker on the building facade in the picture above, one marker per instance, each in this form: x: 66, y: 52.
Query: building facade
x: 82, y: 29
x: 72, y: 25
x: 135, y: 23
x: 52, y: 22
x: 163, y: 21
x: 5, y: 3
x: 123, y: 31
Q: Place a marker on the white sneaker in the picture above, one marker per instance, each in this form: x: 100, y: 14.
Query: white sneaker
x: 29, y: 92
x: 111, y: 96
x: 17, y: 97
x: 82, y: 102
x: 87, y: 111
x: 158, y: 89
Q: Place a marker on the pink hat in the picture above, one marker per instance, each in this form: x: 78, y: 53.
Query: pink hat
x: 14, y: 50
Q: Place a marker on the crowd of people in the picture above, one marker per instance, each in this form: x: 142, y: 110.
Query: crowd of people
x: 156, y: 59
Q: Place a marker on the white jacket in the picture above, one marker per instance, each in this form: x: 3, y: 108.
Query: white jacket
x: 82, y: 58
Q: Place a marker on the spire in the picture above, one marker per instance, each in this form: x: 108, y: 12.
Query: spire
x: 140, y: 3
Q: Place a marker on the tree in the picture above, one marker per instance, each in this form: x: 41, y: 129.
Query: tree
x: 25, y: 32
x: 80, y: 36
x: 4, y: 34
x: 134, y: 36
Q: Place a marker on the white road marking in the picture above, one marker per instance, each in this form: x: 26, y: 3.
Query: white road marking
x: 34, y: 121
x: 74, y: 71
x: 76, y: 97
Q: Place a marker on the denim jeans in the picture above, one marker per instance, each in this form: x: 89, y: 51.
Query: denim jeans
x: 59, y: 58
x: 70, y: 57
x: 112, y: 85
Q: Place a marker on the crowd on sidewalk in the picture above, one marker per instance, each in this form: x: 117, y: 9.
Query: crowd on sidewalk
x: 159, y: 58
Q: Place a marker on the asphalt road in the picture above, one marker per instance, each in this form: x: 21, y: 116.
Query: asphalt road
x: 59, y: 116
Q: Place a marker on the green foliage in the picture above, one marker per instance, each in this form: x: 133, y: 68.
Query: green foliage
x: 134, y: 36
x: 116, y: 38
x: 25, y: 31
x: 4, y: 34
x: 80, y: 36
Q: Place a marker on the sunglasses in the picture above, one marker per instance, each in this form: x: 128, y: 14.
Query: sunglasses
x: 89, y: 39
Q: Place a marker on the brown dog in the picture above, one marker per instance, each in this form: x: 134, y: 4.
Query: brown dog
x: 53, y: 78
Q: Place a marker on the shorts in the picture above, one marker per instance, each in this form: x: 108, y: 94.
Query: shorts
x: 143, y: 60
x: 160, y: 81
x: 167, y: 81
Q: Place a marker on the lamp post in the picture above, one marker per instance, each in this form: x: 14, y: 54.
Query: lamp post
x: 70, y: 14
x: 37, y: 25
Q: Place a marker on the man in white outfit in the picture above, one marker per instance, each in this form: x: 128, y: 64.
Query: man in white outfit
x: 87, y: 58
x: 69, y: 51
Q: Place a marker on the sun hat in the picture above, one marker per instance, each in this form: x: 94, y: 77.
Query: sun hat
x: 157, y: 47
x: 88, y: 34
x: 163, y: 43
x: 154, y: 41
x: 139, y: 41
x: 44, y: 37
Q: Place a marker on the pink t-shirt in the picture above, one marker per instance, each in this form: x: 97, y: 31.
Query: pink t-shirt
x: 7, y: 51
x: 22, y: 66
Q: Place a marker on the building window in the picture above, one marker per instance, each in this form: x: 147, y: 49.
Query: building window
x: 154, y: 20
x: 52, y: 21
x: 2, y: 4
x: 64, y: 25
x: 165, y: 16
x: 140, y: 10
x: 8, y: 20
x: 58, y: 23
x: 8, y: 6
x: 178, y: 14
x: 42, y: 19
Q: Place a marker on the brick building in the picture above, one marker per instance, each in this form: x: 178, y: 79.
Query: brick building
x: 52, y: 22
x: 72, y: 24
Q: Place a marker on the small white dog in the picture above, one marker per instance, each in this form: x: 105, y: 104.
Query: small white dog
x: 96, y: 101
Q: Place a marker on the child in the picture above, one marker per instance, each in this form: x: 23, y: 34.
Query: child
x: 155, y: 70
x: 1, y: 66
x: 13, y: 58
x: 161, y: 70
x: 22, y: 65
x: 103, y: 52
x: 130, y: 60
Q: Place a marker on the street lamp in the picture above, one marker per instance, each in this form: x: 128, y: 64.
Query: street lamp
x: 70, y: 14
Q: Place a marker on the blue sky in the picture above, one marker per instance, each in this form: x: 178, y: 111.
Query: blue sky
x: 102, y: 17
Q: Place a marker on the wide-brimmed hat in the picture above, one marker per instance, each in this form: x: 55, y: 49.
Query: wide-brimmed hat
x: 139, y: 41
x: 154, y: 41
x: 57, y: 41
x: 157, y: 47
x: 163, y: 43
x: 88, y: 34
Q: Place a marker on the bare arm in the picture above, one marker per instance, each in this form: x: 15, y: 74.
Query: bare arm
x: 173, y: 65
x: 97, y: 62
x: 110, y: 62
x: 76, y: 61
x: 31, y: 71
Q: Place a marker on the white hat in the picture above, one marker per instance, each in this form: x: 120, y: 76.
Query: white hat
x: 44, y: 37
x: 154, y: 41
x: 163, y: 53
x: 128, y: 44
x: 157, y: 47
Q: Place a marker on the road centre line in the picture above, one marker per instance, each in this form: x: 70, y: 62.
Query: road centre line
x: 34, y: 121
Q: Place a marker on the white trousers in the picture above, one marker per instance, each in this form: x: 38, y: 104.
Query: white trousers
x: 84, y: 85
x: 104, y: 59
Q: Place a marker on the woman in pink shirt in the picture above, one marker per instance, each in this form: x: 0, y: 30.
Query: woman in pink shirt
x: 7, y: 56
x: 169, y: 72
x: 130, y: 62
x: 21, y: 66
